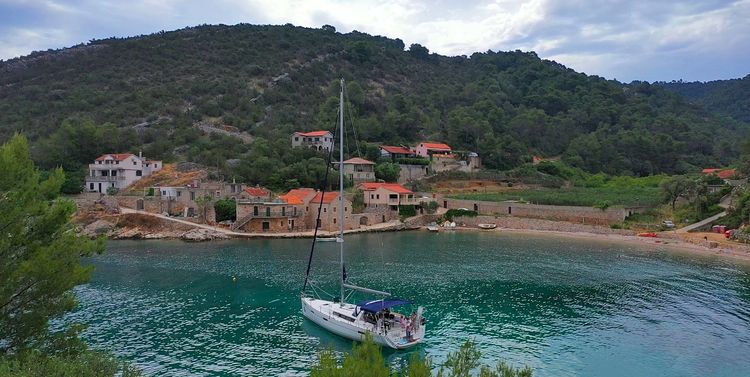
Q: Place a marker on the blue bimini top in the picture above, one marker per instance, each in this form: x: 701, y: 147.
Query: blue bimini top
x: 375, y: 306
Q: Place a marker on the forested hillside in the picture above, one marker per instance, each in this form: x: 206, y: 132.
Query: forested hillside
x: 152, y: 92
x: 730, y: 97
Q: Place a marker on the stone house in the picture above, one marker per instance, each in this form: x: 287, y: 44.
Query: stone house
x: 255, y: 193
x: 318, y: 140
x: 394, y: 152
x: 428, y: 149
x: 182, y: 200
x: 387, y: 195
x: 276, y: 216
x: 329, y: 212
x: 359, y: 170
x: 118, y: 170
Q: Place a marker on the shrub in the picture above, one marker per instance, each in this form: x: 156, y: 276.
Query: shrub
x: 453, y: 213
x: 431, y: 207
x: 226, y: 209
x: 413, y: 161
x: 407, y: 211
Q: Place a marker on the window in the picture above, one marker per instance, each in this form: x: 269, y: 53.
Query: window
x: 105, y: 173
x: 255, y: 211
x: 317, y: 139
x: 268, y: 211
x: 135, y: 163
x: 117, y: 162
x: 192, y: 195
x: 334, y: 220
x: 346, y: 209
x: 325, y: 209
x: 138, y: 173
x: 179, y: 193
x: 281, y: 223
x: 296, y: 138
x: 266, y: 225
x: 99, y: 162
x: 114, y: 173
x: 378, y: 196
x: 334, y: 209
x: 156, y: 166
x: 91, y: 186
x: 283, y: 211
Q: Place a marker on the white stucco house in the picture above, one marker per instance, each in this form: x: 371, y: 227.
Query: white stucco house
x: 318, y: 140
x: 118, y: 170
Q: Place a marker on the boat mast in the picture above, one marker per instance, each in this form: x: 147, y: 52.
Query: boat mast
x: 341, y: 188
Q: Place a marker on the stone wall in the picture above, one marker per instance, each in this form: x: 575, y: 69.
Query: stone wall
x: 155, y: 204
x: 510, y: 222
x: 584, y: 215
x: 411, y: 172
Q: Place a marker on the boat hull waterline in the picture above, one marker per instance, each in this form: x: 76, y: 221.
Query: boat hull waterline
x: 338, y: 319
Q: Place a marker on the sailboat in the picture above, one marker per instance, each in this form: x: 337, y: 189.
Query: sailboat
x: 373, y: 317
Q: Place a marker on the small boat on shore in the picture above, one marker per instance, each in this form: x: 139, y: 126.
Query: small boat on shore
x: 487, y: 226
x: 433, y: 228
x: 326, y: 239
x: 449, y: 225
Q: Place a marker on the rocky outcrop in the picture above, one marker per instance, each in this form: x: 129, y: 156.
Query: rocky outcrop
x: 201, y: 234
x: 98, y: 228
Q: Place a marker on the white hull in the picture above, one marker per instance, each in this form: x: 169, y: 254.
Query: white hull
x: 340, y: 320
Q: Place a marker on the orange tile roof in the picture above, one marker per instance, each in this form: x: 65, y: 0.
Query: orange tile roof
x: 358, y: 161
x: 314, y: 133
x: 328, y: 197
x: 436, y: 146
x: 297, y: 196
x: 394, y: 187
x: 258, y: 191
x: 116, y: 156
x: 726, y: 174
x: 396, y: 150
x: 710, y: 170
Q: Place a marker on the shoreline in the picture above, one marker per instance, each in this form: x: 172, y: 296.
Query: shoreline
x: 654, y: 244
x: 191, y: 232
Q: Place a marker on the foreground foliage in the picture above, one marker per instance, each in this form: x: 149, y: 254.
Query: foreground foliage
x: 366, y: 359
x: 40, y: 263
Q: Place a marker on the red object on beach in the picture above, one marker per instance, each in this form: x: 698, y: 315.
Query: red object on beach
x: 647, y: 234
x: 728, y: 233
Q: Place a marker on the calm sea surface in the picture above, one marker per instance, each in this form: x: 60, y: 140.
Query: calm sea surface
x: 563, y: 307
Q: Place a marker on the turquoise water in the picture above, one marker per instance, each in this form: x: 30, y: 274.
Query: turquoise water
x: 564, y: 307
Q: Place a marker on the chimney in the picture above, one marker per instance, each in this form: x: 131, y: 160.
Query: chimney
x: 140, y: 155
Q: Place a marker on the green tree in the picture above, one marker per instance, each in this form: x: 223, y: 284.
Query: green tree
x: 226, y: 209
x: 432, y: 207
x: 40, y: 257
x: 358, y: 202
x: 203, y: 202
x: 387, y: 171
x: 675, y: 188
x: 40, y: 263
x: 366, y: 359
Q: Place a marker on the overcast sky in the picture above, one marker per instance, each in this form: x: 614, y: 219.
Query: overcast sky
x: 617, y: 39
